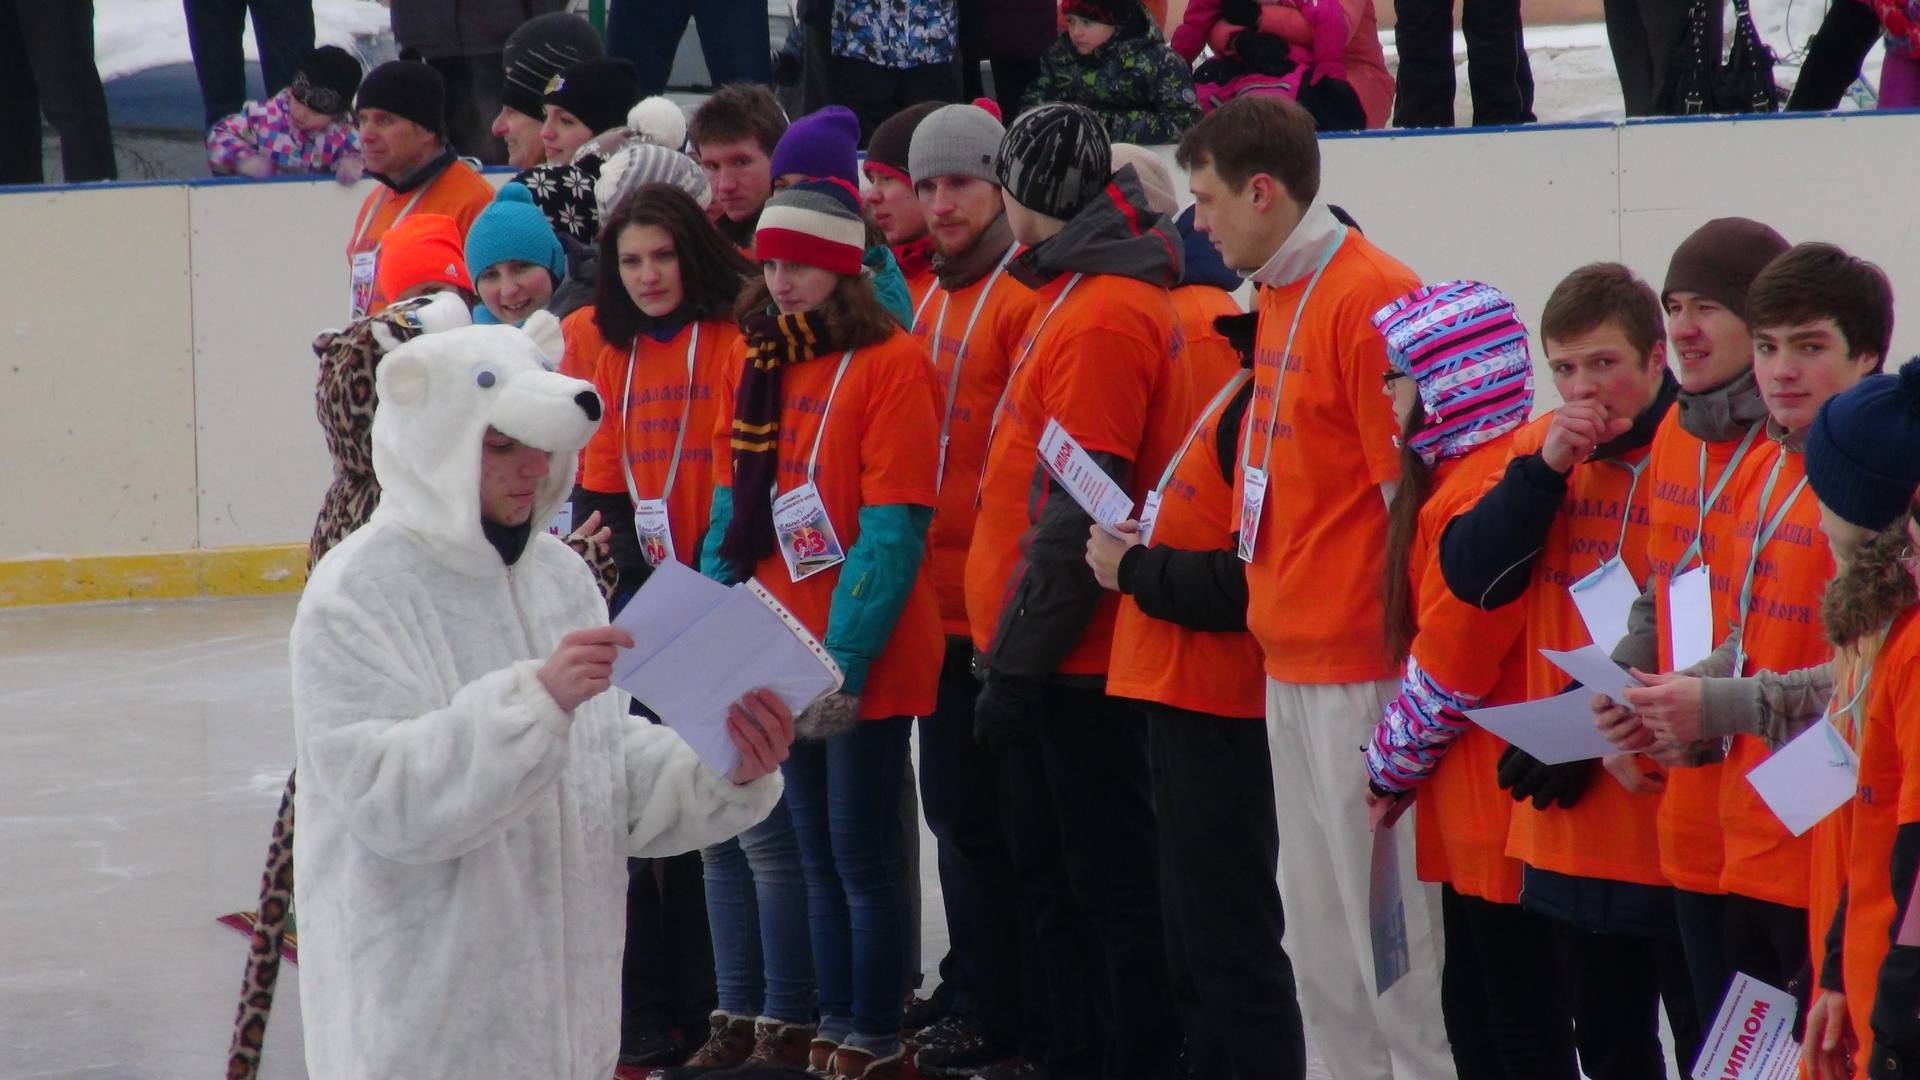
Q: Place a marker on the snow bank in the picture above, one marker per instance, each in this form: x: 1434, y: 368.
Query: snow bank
x: 134, y: 35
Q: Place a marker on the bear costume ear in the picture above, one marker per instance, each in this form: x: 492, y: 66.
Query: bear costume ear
x: 544, y: 329
x: 403, y: 377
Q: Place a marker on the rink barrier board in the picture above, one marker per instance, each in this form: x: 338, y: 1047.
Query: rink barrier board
x: 177, y: 575
x: 156, y: 387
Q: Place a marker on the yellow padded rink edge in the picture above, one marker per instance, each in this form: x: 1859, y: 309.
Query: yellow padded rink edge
x: 234, y: 571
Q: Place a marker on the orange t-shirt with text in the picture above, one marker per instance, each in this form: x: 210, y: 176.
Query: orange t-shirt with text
x: 1209, y: 360
x: 1101, y: 365
x: 1326, y: 454
x: 1005, y: 313
x: 459, y: 193
x: 1610, y: 833
x: 879, y: 449
x: 643, y: 417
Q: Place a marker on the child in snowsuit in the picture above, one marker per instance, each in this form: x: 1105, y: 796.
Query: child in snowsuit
x: 306, y: 128
x: 1324, y: 53
x: 1112, y: 59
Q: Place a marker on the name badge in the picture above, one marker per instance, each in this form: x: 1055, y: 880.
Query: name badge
x: 561, y: 524
x: 1253, y: 496
x: 807, y: 540
x: 1690, y: 618
x: 655, y: 532
x: 1604, y: 598
x: 362, y: 283
x: 1149, y: 514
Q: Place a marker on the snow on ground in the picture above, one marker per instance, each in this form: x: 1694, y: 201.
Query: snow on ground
x: 134, y: 35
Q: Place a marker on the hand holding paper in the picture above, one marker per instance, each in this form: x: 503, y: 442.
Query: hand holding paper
x: 1068, y: 463
x: 1670, y: 705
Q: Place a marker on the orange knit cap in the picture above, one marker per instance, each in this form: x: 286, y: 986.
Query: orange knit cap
x: 420, y: 249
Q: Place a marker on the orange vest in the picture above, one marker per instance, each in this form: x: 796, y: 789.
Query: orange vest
x: 458, y: 192
x: 1210, y: 361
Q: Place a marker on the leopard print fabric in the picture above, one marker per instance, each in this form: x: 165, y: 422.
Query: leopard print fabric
x: 345, y: 401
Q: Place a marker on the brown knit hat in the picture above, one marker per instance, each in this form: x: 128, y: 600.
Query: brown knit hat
x: 887, y: 150
x: 1721, y: 259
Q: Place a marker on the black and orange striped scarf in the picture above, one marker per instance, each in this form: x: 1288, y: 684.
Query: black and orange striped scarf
x: 774, y: 343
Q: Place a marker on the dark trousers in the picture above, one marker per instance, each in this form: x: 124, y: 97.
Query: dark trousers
x: 1615, y: 986
x: 1703, y: 938
x: 960, y: 792
x: 1011, y: 74
x: 1847, y: 34
x: 667, y: 978
x: 1081, y: 829
x: 1769, y: 942
x: 473, y: 101
x: 1645, y: 37
x: 1502, y: 992
x: 282, y: 28
x: 1498, y: 74
x: 46, y: 63
x: 1219, y: 852
x: 875, y: 93
x: 734, y: 38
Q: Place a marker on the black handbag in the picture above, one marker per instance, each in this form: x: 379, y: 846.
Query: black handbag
x: 1702, y: 82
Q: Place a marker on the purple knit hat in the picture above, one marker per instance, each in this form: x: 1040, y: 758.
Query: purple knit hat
x: 1466, y: 351
x: 822, y: 144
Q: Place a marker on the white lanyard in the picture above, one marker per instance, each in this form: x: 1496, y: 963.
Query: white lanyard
x: 1759, y: 543
x: 1864, y: 680
x: 1286, y: 351
x: 813, y: 458
x: 1626, y: 509
x: 1707, y: 498
x: 1234, y: 384
x: 367, y: 222
x: 960, y: 354
x: 924, y: 301
x: 993, y: 426
x: 686, y: 412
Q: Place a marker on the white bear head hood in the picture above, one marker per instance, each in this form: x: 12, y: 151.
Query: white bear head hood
x: 438, y: 396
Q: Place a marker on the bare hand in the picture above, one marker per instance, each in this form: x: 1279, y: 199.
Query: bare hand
x: 1670, y: 755
x: 1578, y: 427
x: 1626, y: 769
x: 1385, y: 811
x: 1104, y: 551
x: 582, y: 665
x: 591, y: 531
x: 1828, y: 1053
x: 1621, y: 725
x: 255, y: 166
x: 761, y: 727
x: 1668, y: 704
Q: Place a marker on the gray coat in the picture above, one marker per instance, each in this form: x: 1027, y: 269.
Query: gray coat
x: 444, y: 28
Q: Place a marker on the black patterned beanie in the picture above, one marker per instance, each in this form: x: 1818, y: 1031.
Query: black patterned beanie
x: 1055, y: 159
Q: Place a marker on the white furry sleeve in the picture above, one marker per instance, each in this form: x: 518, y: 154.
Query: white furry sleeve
x: 417, y: 783
x: 675, y: 803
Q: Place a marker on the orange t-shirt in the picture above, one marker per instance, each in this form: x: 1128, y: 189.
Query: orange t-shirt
x: 1004, y: 315
x: 879, y: 449
x: 1101, y: 366
x: 459, y: 192
x: 1610, y: 833
x: 1689, y: 820
x: 1331, y: 448
x: 1888, y: 797
x: 920, y: 285
x: 1210, y: 361
x: 1463, y: 818
x: 1200, y: 671
x: 644, y: 417
x: 1783, y: 633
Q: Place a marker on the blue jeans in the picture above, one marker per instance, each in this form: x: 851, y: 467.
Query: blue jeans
x: 735, y: 38
x: 844, y: 794
x: 757, y: 912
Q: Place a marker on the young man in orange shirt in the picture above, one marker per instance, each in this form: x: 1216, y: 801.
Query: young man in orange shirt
x: 1097, y: 359
x: 1697, y: 451
x: 401, y: 112
x: 893, y: 203
x: 733, y: 135
x: 1321, y: 429
x: 1572, y: 513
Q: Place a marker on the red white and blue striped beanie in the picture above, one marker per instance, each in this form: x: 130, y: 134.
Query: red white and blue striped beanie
x: 1466, y: 352
x: 815, y: 222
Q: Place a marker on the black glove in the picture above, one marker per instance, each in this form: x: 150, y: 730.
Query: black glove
x: 1242, y: 13
x: 1527, y: 777
x: 1007, y: 712
x: 1268, y: 54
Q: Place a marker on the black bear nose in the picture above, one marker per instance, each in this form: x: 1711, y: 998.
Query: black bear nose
x: 589, y: 403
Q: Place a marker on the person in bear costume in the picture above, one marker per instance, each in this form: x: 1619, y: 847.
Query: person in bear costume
x: 470, y: 790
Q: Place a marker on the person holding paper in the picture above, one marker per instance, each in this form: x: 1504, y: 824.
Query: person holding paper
x: 1097, y: 362
x: 1572, y: 512
x: 826, y: 468
x: 467, y: 785
x: 971, y: 323
x: 1319, y: 447
x: 1462, y: 385
x: 1690, y: 471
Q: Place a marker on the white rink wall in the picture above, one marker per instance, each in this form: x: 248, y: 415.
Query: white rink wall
x: 156, y: 375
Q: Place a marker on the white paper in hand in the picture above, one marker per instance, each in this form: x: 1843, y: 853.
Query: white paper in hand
x: 1809, y: 778
x: 1752, y: 1037
x: 1597, y: 672
x: 700, y: 646
x: 1387, y: 913
x: 1555, y: 730
x: 1064, y: 459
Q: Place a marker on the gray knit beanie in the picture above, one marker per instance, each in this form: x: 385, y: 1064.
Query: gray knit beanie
x: 637, y: 164
x: 958, y: 140
x: 1055, y: 159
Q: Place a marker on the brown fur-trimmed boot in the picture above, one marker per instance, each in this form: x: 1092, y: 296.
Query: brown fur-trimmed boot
x: 729, y: 1045
x: 776, y: 1042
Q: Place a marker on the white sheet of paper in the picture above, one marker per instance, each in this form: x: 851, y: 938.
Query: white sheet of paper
x: 1387, y: 913
x: 699, y: 646
x: 1556, y: 730
x: 1597, y: 672
x: 1103, y: 500
x: 1690, y: 618
x: 1604, y: 598
x: 1752, y: 1037
x: 1809, y: 778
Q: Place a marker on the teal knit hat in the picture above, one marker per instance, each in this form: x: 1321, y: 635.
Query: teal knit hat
x: 512, y: 227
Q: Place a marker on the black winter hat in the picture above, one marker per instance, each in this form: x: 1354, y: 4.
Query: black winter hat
x: 327, y: 80
x: 1055, y: 159
x: 891, y: 140
x: 543, y: 46
x: 1721, y: 259
x: 1863, y: 451
x: 408, y: 89
x: 600, y: 92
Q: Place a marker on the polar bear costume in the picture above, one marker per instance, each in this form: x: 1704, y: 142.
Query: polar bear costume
x: 463, y: 841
